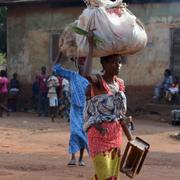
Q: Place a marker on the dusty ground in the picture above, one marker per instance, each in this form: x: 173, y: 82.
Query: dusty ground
x: 33, y: 148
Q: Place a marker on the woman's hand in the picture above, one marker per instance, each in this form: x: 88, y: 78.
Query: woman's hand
x: 101, y: 129
x: 126, y: 130
x: 90, y: 37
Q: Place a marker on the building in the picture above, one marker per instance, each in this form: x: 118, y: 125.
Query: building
x: 33, y: 28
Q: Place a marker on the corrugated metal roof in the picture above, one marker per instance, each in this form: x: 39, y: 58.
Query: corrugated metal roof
x: 50, y: 2
x: 150, y: 1
x: 8, y: 2
x: 19, y: 1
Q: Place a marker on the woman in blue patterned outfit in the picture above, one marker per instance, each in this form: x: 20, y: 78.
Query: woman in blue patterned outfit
x: 78, y: 85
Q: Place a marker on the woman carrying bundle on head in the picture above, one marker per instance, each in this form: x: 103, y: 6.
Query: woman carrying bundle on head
x: 105, y: 115
x: 78, y: 85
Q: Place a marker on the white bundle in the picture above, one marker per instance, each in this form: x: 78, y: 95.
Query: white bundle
x: 122, y: 33
x: 105, y: 3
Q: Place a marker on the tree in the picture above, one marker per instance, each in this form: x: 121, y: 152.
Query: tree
x: 2, y: 59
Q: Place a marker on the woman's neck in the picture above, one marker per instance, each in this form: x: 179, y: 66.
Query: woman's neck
x: 108, y: 78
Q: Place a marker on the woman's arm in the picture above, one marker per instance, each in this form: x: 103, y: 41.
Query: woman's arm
x: 101, y: 129
x: 65, y: 73
x: 126, y: 130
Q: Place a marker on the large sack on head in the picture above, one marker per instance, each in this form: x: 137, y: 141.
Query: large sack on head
x: 67, y: 41
x: 121, y: 31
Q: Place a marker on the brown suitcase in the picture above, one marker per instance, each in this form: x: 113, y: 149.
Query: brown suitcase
x: 134, y: 156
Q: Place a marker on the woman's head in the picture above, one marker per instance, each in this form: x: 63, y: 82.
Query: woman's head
x: 15, y: 75
x: 43, y: 69
x: 3, y: 73
x: 167, y: 72
x: 111, y: 64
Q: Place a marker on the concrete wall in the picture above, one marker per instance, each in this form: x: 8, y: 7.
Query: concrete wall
x: 29, y: 35
x: 146, y: 67
x: 30, y: 29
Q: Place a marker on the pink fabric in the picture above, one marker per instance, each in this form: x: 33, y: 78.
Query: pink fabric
x: 118, y: 80
x: 4, y: 88
x: 99, y: 143
x: 120, y: 83
x: 113, y: 138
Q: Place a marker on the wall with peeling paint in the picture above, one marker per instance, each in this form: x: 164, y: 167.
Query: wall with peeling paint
x: 146, y: 67
x: 29, y: 29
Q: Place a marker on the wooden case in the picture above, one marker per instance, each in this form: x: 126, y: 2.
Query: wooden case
x: 134, y: 156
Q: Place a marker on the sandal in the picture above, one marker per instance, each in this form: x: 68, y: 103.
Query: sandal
x: 81, y: 163
x: 72, y: 162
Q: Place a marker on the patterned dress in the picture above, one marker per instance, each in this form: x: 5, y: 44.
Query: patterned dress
x: 107, y: 110
x: 78, y: 85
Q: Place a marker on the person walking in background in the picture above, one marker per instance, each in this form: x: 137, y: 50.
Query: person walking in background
x: 66, y: 98
x: 78, y: 85
x: 59, y: 92
x: 35, y: 93
x: 105, y: 115
x: 14, y: 92
x: 52, y: 84
x: 42, y: 98
x: 3, y: 92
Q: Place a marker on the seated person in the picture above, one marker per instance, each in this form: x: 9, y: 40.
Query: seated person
x: 173, y: 91
x: 165, y: 84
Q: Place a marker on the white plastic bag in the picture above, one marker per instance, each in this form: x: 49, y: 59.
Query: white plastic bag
x: 99, y: 3
x: 122, y: 33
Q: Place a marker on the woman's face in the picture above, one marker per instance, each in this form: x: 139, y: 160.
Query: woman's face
x: 113, y: 65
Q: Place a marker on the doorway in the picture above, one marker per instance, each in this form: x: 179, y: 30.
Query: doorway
x: 175, y: 51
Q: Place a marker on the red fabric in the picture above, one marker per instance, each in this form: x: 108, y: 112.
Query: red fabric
x: 117, y: 11
x: 113, y: 138
x: 60, y: 86
x: 120, y: 83
x: 4, y: 85
x: 42, y: 78
x: 99, y: 143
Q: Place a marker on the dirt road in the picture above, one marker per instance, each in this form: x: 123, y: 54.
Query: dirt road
x: 33, y: 148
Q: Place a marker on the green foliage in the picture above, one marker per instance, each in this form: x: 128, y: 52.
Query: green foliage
x: 3, y: 12
x: 82, y: 32
x: 2, y: 58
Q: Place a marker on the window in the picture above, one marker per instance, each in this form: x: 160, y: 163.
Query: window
x: 54, y: 46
